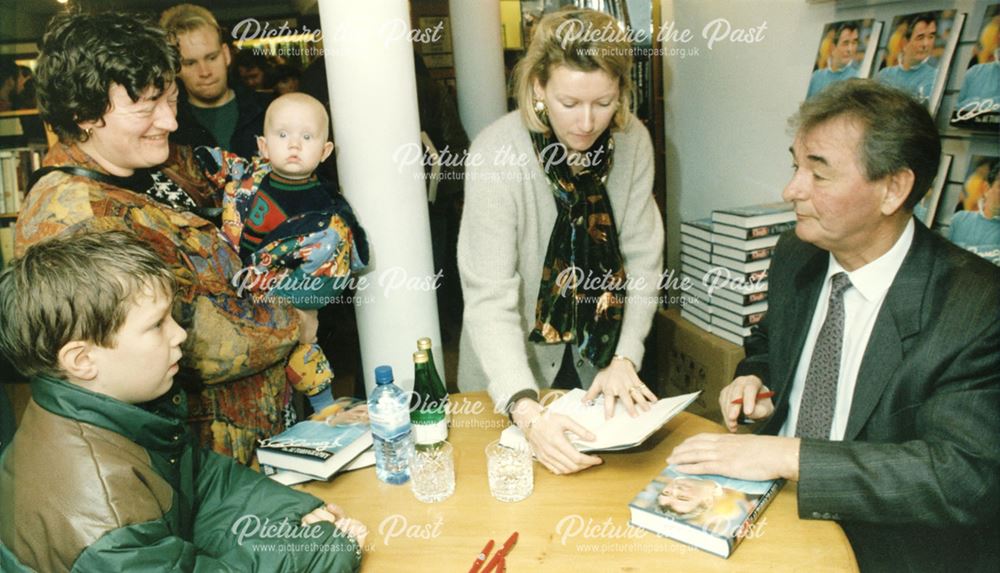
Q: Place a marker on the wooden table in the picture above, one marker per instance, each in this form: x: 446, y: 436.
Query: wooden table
x: 571, y: 523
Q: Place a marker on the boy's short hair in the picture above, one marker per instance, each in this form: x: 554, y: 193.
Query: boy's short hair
x: 76, y: 287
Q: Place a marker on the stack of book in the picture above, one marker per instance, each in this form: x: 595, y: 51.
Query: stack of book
x: 726, y: 258
x: 315, y: 451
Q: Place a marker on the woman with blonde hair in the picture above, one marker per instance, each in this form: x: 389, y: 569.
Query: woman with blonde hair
x: 560, y: 247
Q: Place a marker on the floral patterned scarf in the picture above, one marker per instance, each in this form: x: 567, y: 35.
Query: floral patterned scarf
x: 581, y: 298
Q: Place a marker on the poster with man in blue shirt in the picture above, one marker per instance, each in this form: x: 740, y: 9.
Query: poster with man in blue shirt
x: 980, y: 92
x: 915, y: 70
x: 840, y: 65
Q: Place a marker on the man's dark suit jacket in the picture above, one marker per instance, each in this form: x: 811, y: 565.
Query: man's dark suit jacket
x: 250, y: 106
x: 916, y: 481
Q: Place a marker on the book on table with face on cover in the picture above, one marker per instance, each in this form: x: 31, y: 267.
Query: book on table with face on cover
x: 619, y: 432
x: 712, y: 513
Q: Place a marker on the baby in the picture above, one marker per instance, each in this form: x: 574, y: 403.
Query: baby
x: 298, y: 238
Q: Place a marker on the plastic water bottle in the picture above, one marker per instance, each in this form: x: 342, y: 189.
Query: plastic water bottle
x: 389, y: 412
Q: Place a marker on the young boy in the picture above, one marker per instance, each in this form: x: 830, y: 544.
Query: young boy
x: 298, y: 238
x: 103, y: 474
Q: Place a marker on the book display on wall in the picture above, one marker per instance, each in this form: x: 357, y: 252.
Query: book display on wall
x: 967, y: 195
x: 918, y: 54
x: 846, y: 50
x: 970, y: 214
x: 978, y: 103
x: 926, y: 210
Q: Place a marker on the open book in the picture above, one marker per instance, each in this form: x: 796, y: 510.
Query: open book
x: 619, y: 432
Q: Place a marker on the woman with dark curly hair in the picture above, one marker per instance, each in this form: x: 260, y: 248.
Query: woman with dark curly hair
x: 106, y: 85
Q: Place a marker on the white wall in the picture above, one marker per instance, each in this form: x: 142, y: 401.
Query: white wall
x: 727, y: 107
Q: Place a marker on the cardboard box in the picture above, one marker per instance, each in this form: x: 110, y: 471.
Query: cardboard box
x: 691, y: 359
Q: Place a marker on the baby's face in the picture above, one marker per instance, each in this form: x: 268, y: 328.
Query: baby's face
x: 295, y: 140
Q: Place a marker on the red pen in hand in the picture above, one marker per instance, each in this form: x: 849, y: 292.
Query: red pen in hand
x: 760, y: 396
x: 482, y: 557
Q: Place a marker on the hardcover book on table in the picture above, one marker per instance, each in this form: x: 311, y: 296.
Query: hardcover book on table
x: 755, y: 215
x: 767, y: 242
x: 689, y: 241
x: 741, y: 266
x: 740, y: 298
x: 699, y: 228
x: 315, y: 448
x: 741, y: 255
x: 689, y: 315
x: 713, y: 513
x: 748, y: 233
x: 736, y: 319
x: 288, y: 477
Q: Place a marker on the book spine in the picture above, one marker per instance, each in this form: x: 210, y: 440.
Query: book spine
x: 321, y: 455
x: 746, y: 528
x: 768, y: 230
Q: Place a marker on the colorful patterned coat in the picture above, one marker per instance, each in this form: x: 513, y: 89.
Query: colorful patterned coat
x: 234, y: 357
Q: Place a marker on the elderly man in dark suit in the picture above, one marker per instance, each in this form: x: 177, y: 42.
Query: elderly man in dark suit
x: 882, y: 348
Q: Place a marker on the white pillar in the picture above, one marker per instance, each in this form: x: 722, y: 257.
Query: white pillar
x: 373, y: 101
x: 479, y: 73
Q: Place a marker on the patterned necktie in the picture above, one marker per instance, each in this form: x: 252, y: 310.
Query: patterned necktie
x: 820, y: 393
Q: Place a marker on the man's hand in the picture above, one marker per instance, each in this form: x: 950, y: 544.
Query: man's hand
x: 745, y: 388
x: 546, y: 435
x: 619, y: 380
x: 743, y: 457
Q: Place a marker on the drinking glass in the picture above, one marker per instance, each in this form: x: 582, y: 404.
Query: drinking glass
x: 510, y: 471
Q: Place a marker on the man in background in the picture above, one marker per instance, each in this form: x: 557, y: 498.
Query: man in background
x: 209, y: 111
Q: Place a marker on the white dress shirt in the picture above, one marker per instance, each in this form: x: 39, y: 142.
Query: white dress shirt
x: 862, y: 303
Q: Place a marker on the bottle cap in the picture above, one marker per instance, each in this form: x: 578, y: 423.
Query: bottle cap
x: 424, y: 343
x: 383, y: 374
x: 419, y: 357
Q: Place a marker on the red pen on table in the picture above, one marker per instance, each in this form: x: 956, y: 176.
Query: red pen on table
x: 499, y: 559
x: 760, y: 396
x: 482, y: 557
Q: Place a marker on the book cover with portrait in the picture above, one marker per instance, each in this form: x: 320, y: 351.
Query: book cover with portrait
x: 926, y: 209
x: 712, y: 513
x: 846, y: 50
x: 918, y: 54
x: 971, y: 217
x: 978, y: 102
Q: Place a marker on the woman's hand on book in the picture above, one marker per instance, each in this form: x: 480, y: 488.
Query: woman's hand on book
x: 546, y: 432
x: 619, y: 381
